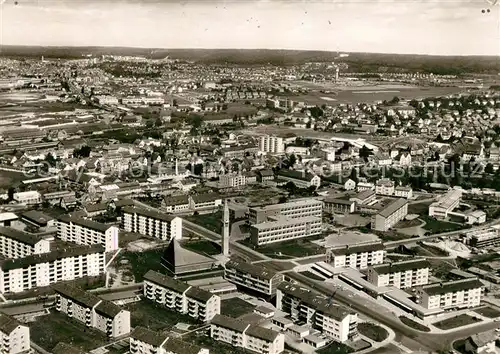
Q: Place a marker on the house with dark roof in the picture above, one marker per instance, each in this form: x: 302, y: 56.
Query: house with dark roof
x: 301, y: 179
x: 205, y: 201
x: 181, y: 297
x: 177, y: 204
x: 91, y: 310
x: 481, y: 343
x: 16, y: 244
x: 15, y: 335
x: 143, y: 340
x: 402, y: 275
x: 254, y: 277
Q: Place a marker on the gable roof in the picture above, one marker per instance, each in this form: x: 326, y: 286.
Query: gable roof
x: 8, y: 324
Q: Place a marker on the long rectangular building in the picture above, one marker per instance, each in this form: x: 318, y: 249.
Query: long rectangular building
x: 253, y: 276
x: 151, y: 223
x: 17, y: 275
x: 488, y: 237
x: 14, y: 336
x: 445, y: 204
x: 356, y: 256
x: 284, y: 229
x: 248, y: 336
x: 181, y: 297
x: 295, y: 209
x: 390, y: 215
x: 463, y: 293
x: 334, y: 321
x: 143, y: 340
x: 405, y: 274
x: 18, y: 244
x: 87, y: 232
x: 92, y: 311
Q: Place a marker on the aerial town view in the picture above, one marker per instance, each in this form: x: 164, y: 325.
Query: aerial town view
x: 284, y: 188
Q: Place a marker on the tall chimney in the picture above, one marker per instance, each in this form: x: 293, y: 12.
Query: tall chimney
x: 225, y: 230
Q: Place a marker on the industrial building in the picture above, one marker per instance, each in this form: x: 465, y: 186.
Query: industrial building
x: 390, y: 215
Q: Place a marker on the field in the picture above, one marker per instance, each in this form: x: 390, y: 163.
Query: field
x: 458, y: 321
x: 372, y: 331
x: 212, y: 222
x: 154, y: 316
x: 236, y: 307
x: 51, y: 329
x: 141, y: 262
x: 335, y: 348
x: 419, y: 208
x: 10, y: 178
x: 437, y: 226
x: 489, y: 312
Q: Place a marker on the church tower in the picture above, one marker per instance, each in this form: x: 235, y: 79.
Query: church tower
x: 225, y: 230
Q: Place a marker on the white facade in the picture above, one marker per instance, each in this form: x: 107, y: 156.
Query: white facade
x: 153, y: 224
x: 251, y: 337
x: 18, y: 244
x: 146, y: 341
x: 232, y: 180
x: 356, y: 256
x: 271, y: 144
x: 28, y: 198
x: 17, y: 275
x: 181, y: 297
x: 402, y: 275
x: 403, y: 192
x: 462, y: 293
x: 87, y: 232
x: 446, y: 204
x: 385, y: 187
x: 284, y: 229
x: 14, y: 336
x: 253, y: 276
x: 294, y: 209
x: 390, y: 215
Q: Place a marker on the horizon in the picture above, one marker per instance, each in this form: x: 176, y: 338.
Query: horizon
x: 411, y: 27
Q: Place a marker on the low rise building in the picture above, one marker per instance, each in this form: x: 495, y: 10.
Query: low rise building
x: 87, y: 232
x: 146, y: 341
x: 385, y: 186
x: 404, y: 274
x: 181, y: 297
x: 248, y: 336
x: 463, y: 293
x: 334, y: 321
x: 177, y: 204
x: 403, y: 192
x: 335, y: 205
x: 18, y: 244
x: 483, y: 238
x: 446, y: 204
x: 205, y: 201
x: 14, y: 336
x: 390, y: 215
x: 364, y: 197
x: 38, y: 219
x: 92, y: 311
x: 28, y: 197
x: 253, y: 276
x: 481, y: 343
x: 151, y: 223
x: 359, y: 256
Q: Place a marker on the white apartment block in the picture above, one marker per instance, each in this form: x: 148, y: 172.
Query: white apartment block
x: 402, y: 275
x: 403, y: 192
x: 334, y: 321
x: 18, y: 244
x: 87, y: 232
x: 14, y: 336
x: 151, y: 223
x: 445, y: 204
x: 28, y: 198
x: 253, y: 276
x: 181, y: 297
x: 17, y: 275
x: 384, y: 187
x: 232, y: 180
x: 356, y: 256
x: 294, y: 209
x: 248, y: 336
x: 390, y: 215
x: 92, y: 311
x: 271, y: 144
x: 146, y: 341
x: 284, y: 229
x: 462, y: 293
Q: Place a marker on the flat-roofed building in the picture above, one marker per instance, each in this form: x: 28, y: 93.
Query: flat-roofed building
x: 181, y: 297
x: 445, y: 204
x: 284, y: 229
x: 87, y: 232
x: 248, y: 336
x: 7, y: 219
x: 92, y: 311
x: 334, y: 321
x: 390, y: 215
x: 146, y: 341
x: 17, y: 275
x: 28, y: 197
x: 151, y: 223
x: 271, y: 144
x: 294, y: 209
x: 463, y: 293
x: 359, y: 256
x: 253, y: 276
x: 402, y: 275
x: 487, y: 237
x: 19, y: 244
x: 335, y: 205
x: 38, y: 219
x: 14, y: 336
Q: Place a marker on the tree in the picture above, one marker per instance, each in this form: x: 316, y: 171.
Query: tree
x: 10, y: 194
x: 50, y: 159
x: 174, y: 103
x: 82, y: 152
x: 489, y: 168
x: 364, y: 152
x: 292, y: 159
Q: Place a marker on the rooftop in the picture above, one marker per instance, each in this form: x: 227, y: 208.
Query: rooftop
x: 148, y: 336
x: 360, y: 248
x: 89, y: 224
x: 262, y: 333
x: 199, y: 294
x: 149, y: 213
x: 229, y: 323
x: 402, y: 266
x: 166, y: 281
x: 20, y: 236
x: 8, y: 324
x: 37, y: 217
x: 392, y: 208
x: 452, y: 286
x: 255, y: 270
x: 76, y: 294
x: 282, y: 221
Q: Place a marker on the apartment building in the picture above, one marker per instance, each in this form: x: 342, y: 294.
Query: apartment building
x: 294, y: 209
x: 364, y: 197
x: 14, y: 336
x: 271, y: 144
x: 284, y: 229
x: 483, y: 238
x: 248, y: 336
x: 403, y: 192
x: 151, y: 223
x: 384, y: 186
x: 335, y: 205
x: 334, y: 321
x: 87, y: 232
x: 253, y: 276
x: 390, y: 215
x: 28, y: 197
x: 356, y: 256
x: 17, y: 275
x: 18, y: 244
x: 232, y: 180
x: 181, y: 297
x: 445, y: 204
x: 146, y: 341
x: 402, y: 275
x: 463, y: 293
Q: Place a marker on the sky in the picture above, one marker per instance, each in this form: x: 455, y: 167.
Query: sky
x: 438, y: 27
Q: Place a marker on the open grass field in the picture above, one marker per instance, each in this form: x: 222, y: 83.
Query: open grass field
x: 372, y: 331
x: 291, y: 249
x: 455, y: 322
x: 335, y: 348
x: 489, y: 312
x: 435, y: 226
x: 51, y: 329
x: 236, y: 307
